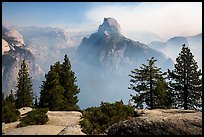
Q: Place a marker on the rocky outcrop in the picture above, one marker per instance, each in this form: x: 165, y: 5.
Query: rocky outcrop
x: 59, y: 123
x: 160, y: 122
x: 5, y: 46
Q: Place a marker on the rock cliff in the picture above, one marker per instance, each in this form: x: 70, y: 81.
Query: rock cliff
x: 160, y: 122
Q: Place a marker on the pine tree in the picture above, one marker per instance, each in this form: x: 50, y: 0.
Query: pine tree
x: 51, y: 91
x: 68, y: 79
x: 186, y: 81
x: 36, y: 102
x: 24, y: 94
x: 163, y: 96
x: 10, y: 97
x: 59, y: 90
x: 150, y: 86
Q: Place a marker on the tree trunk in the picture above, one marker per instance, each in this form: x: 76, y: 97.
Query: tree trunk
x: 185, y: 87
x: 185, y: 97
x: 151, y: 96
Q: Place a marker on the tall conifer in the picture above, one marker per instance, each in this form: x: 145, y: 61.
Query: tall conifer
x: 186, y: 81
x: 59, y: 90
x: 24, y: 94
x: 68, y: 80
x: 150, y: 87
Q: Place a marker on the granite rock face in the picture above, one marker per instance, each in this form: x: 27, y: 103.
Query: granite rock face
x: 59, y: 123
x: 160, y: 122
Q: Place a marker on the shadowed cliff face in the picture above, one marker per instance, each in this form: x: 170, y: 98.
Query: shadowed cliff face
x: 160, y: 122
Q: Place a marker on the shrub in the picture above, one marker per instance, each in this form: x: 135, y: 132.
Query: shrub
x: 97, y: 119
x: 35, y: 117
x: 9, y: 113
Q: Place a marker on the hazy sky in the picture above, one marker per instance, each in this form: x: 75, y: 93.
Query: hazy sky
x: 165, y: 19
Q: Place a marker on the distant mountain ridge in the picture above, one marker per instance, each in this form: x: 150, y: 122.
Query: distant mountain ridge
x: 42, y: 46
x: 101, y: 60
x: 173, y: 46
x: 104, y: 61
x: 109, y: 48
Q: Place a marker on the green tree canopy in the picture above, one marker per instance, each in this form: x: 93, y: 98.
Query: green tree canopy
x: 10, y: 97
x: 59, y: 90
x: 186, y: 81
x: 51, y: 91
x: 150, y: 86
x: 24, y: 94
x: 68, y: 80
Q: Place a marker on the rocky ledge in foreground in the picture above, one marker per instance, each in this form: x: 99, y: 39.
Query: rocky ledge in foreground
x: 160, y: 122
x: 60, y: 123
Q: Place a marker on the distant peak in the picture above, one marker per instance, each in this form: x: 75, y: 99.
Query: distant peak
x: 110, y: 20
x: 109, y: 26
